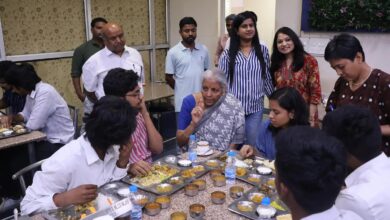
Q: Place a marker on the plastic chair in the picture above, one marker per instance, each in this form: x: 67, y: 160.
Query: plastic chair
x: 19, y: 175
x: 74, y: 113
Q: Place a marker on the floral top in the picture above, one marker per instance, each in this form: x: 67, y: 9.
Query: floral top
x: 306, y: 80
x: 374, y: 93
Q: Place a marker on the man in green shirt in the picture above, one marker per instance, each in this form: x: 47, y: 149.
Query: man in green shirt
x: 82, y: 54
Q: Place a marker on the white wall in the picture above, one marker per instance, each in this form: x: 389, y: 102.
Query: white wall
x: 205, y: 12
x: 265, y: 11
x: 375, y: 46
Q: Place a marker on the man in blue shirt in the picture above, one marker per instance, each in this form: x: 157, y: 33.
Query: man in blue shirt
x: 186, y: 62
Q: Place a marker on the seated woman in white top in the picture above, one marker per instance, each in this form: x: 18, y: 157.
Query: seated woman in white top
x: 45, y: 110
x: 72, y: 174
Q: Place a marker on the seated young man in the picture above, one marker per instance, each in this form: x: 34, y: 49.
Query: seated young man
x: 367, y: 184
x: 10, y: 99
x: 45, y: 109
x: 146, y: 139
x: 101, y: 155
x: 310, y: 168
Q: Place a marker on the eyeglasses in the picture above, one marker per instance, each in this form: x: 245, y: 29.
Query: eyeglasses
x: 136, y: 95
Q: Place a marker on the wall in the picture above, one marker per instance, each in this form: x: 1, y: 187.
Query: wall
x: 42, y: 26
x: 205, y: 12
x: 265, y: 11
x: 376, y: 46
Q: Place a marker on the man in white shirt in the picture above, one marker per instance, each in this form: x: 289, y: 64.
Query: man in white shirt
x: 115, y: 54
x: 73, y: 174
x: 44, y: 110
x: 310, y: 168
x: 367, y: 185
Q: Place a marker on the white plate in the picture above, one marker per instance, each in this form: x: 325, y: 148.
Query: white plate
x: 206, y: 153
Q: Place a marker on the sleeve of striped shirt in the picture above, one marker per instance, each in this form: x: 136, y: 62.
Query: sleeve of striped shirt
x: 268, y: 85
x: 224, y: 62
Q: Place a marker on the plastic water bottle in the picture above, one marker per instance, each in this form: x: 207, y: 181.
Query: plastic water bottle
x: 136, y: 212
x: 265, y: 210
x: 230, y: 169
x: 192, y: 155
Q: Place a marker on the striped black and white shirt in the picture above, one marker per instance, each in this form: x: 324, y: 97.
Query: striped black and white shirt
x: 248, y: 86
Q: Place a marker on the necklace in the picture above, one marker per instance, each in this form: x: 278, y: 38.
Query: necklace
x: 354, y: 84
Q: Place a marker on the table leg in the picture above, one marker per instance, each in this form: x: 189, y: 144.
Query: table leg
x: 31, y: 152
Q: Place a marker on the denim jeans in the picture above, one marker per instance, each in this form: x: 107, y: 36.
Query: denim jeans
x: 252, y: 127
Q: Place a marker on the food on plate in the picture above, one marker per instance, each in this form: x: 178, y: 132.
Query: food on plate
x: 4, y: 129
x: 245, y: 206
x: 198, y: 168
x: 157, y: 174
x: 264, y: 170
x: 176, y: 180
x: 256, y: 197
x: 254, y: 178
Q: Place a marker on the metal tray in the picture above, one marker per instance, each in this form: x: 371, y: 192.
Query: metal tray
x: 152, y: 188
x: 253, y: 214
x: 14, y: 134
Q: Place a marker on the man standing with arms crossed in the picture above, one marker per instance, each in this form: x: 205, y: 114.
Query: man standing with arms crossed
x: 185, y: 63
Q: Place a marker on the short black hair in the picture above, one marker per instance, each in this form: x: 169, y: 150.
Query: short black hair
x: 343, y: 46
x: 96, y: 20
x: 230, y: 17
x: 358, y: 128
x: 5, y: 65
x: 22, y: 76
x: 312, y: 166
x: 111, y: 122
x: 119, y: 81
x: 291, y: 100
x: 187, y: 20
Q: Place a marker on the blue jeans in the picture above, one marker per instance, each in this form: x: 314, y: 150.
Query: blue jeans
x: 252, y: 127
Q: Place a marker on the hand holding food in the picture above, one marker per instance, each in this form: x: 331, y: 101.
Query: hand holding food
x: 79, y: 195
x: 140, y: 168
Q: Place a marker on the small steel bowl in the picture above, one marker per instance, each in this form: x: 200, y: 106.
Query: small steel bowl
x: 215, y: 173
x: 245, y: 206
x: 218, y: 197
x: 164, y: 188
x: 184, y: 163
x: 123, y: 192
x: 241, y: 171
x: 236, y: 192
x: 219, y: 180
x: 141, y: 200
x: 176, y: 180
x: 201, y: 184
x: 152, y: 208
x: 264, y: 170
x: 171, y: 159
x: 179, y: 216
x: 254, y: 178
x: 271, y: 182
x: 110, y: 186
x: 191, y: 189
x: 212, y: 163
x: 197, y: 211
x: 165, y: 201
x: 256, y: 197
